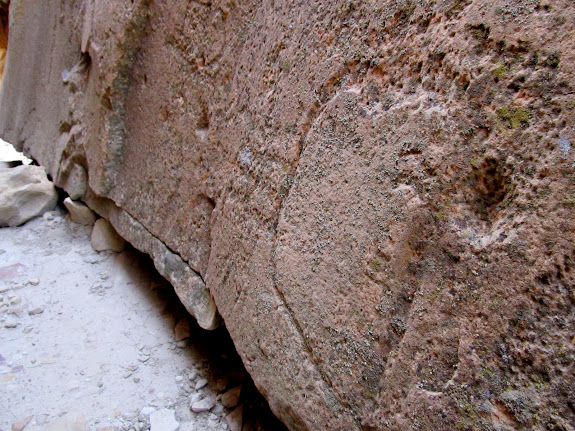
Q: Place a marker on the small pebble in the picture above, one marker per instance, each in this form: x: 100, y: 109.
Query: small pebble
x: 201, y: 383
x: 182, y: 330
x: 34, y: 281
x: 35, y: 311
x: 179, y: 378
x: 192, y: 376
x: 136, y: 380
x: 195, y: 398
x: 146, y: 411
x: 203, y: 405
x: 230, y: 398
x: 182, y: 344
x: 10, y: 324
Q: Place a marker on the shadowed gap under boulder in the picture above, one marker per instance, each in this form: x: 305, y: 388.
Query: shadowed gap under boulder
x: 216, y: 349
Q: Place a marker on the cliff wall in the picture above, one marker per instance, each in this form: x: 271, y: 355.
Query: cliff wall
x: 377, y: 196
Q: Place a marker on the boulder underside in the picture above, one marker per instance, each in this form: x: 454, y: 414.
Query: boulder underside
x: 377, y: 195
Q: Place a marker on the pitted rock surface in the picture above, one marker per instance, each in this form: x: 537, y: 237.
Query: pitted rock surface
x: 377, y: 196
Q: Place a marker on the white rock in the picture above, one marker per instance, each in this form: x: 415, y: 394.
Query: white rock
x: 163, y: 420
x: 41, y: 419
x: 193, y: 375
x: 79, y: 212
x: 201, y: 383
x: 235, y: 419
x: 230, y: 398
x: 203, y: 405
x: 147, y: 411
x: 105, y: 237
x: 10, y: 324
x: 25, y: 193
x: 195, y: 398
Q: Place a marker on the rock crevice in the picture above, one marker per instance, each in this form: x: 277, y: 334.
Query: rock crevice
x: 188, y: 284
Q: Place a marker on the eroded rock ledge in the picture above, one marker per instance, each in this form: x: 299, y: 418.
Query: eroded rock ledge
x: 187, y: 283
x: 377, y: 195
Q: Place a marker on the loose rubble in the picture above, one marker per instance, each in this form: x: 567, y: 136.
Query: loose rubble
x: 88, y: 342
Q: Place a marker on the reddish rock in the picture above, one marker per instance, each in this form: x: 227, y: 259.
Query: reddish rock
x: 231, y: 397
x: 21, y: 424
x: 378, y: 196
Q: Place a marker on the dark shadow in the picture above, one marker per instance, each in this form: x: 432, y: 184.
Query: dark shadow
x: 214, y: 348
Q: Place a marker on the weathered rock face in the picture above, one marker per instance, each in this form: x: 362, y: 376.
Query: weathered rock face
x: 3, y: 36
x: 378, y: 195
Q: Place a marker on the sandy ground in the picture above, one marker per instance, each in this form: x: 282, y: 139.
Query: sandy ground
x: 92, y: 335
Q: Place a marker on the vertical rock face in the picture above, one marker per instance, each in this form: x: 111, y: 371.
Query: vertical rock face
x: 377, y: 195
x: 3, y: 36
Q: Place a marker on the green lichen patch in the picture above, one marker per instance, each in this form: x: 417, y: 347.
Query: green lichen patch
x: 479, y: 31
x: 553, y: 60
x: 501, y: 71
x: 512, y: 117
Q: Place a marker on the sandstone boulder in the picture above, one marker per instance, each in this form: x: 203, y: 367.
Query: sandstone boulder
x: 25, y: 193
x: 376, y: 195
x: 104, y: 237
x: 79, y: 212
